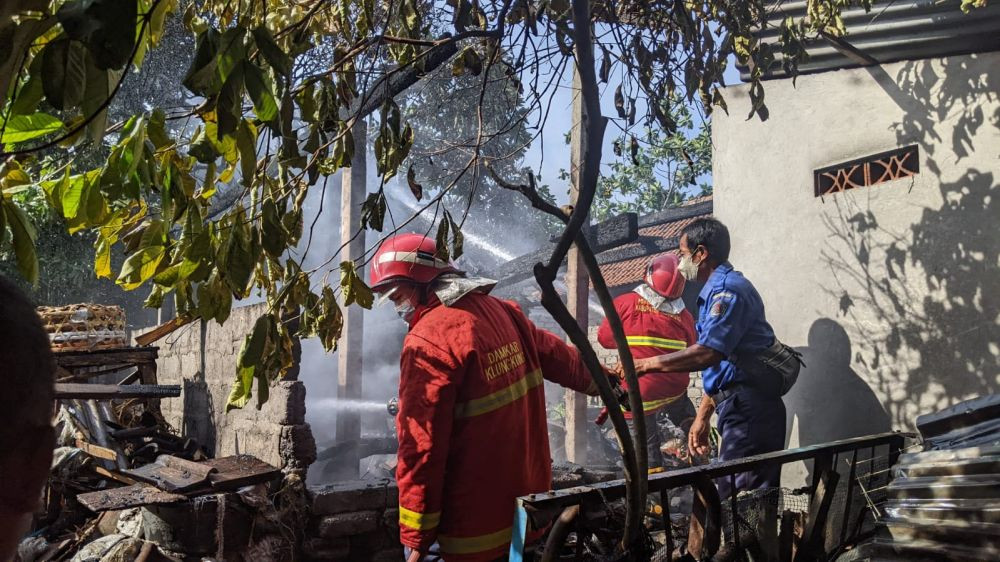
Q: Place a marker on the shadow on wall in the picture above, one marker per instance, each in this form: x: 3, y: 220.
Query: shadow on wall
x: 933, y: 288
x: 830, y: 401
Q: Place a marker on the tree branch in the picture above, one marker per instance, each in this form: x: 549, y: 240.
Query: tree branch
x: 634, y: 477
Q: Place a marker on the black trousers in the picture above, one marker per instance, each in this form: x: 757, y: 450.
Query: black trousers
x: 681, y: 414
x: 751, y: 422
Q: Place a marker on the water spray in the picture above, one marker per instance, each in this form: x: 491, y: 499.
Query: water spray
x: 484, y: 244
x: 471, y: 237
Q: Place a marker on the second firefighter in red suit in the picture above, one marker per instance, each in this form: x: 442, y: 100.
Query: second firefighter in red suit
x: 656, y: 322
x: 472, y: 423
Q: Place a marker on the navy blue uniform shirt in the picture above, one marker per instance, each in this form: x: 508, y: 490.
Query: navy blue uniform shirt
x: 730, y: 320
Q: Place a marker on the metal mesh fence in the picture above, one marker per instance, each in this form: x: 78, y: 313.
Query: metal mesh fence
x: 854, y: 508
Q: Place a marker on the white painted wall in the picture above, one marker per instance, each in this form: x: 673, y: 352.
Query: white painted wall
x: 892, y: 291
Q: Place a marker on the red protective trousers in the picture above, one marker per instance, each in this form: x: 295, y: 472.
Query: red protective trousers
x: 650, y: 333
x: 473, y: 434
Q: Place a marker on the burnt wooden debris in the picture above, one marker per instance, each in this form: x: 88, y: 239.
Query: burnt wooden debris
x: 84, y: 391
x: 173, y: 480
x: 173, y: 474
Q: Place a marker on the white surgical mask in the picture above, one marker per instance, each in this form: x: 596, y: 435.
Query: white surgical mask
x: 405, y: 310
x: 688, y: 268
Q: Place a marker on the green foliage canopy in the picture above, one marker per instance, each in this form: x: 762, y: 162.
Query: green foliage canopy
x: 277, y: 86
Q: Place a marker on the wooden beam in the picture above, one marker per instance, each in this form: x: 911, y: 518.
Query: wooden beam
x: 162, y: 330
x: 97, y: 451
x: 786, y: 538
x: 85, y: 391
x: 103, y: 357
x: 116, y: 476
x: 350, y: 365
x: 577, y: 288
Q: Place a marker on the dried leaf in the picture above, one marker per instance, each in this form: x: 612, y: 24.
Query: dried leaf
x: 354, y: 288
x: 415, y: 188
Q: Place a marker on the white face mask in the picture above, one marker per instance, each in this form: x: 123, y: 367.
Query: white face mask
x: 405, y: 310
x: 688, y: 268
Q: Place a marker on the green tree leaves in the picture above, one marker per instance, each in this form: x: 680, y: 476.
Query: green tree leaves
x: 21, y: 128
x: 261, y: 92
x: 266, y: 356
x: 659, y: 172
x: 22, y: 236
x: 272, y: 53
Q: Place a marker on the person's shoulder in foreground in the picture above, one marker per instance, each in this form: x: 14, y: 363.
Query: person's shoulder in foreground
x: 26, y: 434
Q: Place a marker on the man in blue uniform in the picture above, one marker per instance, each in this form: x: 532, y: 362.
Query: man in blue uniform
x: 732, y: 336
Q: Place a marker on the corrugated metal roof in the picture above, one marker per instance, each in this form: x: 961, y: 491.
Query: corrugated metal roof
x: 893, y: 31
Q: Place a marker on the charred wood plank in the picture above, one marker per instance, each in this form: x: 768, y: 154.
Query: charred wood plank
x: 813, y: 536
x: 97, y: 451
x: 115, y: 475
x: 137, y: 495
x: 102, y: 357
x: 705, y: 535
x: 114, y: 392
x: 238, y: 471
x: 173, y: 474
x: 786, y: 537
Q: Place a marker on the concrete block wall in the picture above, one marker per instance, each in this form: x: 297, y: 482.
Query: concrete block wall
x: 356, y: 521
x: 201, y: 358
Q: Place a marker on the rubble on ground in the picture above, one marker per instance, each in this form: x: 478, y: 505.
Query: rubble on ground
x: 124, y: 485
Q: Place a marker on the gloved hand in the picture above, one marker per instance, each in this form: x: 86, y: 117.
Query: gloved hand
x: 619, y: 391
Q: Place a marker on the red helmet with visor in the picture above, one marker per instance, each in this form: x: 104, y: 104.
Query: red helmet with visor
x: 408, y: 258
x: 664, y: 277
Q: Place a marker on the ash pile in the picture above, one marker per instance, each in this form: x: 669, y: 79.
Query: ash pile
x: 125, y: 485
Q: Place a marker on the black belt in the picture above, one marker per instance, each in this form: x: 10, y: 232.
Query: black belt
x: 726, y: 393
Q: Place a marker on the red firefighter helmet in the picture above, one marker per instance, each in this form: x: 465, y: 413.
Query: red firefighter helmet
x: 664, y: 278
x: 407, y: 257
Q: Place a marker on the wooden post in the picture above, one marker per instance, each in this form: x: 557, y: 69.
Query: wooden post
x: 354, y: 188
x: 577, y: 289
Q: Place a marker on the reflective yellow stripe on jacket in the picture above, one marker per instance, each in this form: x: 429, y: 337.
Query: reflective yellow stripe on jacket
x: 500, y: 398
x: 657, y: 404
x: 419, y: 521
x: 472, y: 545
x: 650, y: 341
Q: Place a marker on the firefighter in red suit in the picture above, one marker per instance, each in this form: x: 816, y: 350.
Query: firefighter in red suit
x: 472, y: 423
x: 655, y: 323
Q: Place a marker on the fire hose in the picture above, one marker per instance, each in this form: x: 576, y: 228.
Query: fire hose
x: 392, y: 406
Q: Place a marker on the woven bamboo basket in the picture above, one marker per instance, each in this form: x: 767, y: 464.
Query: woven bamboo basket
x: 84, y: 326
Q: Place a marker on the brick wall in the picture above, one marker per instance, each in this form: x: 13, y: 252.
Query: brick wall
x: 355, y: 521
x: 201, y: 357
